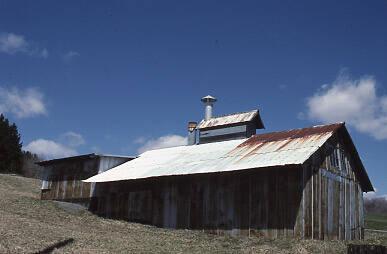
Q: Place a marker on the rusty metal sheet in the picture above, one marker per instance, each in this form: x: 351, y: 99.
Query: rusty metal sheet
x: 260, y: 151
x: 231, y: 119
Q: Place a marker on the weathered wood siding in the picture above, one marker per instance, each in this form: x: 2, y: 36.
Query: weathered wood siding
x: 333, y: 198
x: 64, y: 180
x: 260, y: 202
x: 333, y: 207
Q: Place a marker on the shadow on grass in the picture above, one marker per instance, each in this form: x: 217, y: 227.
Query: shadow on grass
x: 57, y: 245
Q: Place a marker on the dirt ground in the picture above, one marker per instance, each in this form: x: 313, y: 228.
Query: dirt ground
x: 29, y: 225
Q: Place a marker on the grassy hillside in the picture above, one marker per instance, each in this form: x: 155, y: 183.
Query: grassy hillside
x: 29, y: 225
x: 376, y: 221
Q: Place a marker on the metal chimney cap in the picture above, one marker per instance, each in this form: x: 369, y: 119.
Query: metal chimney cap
x: 208, y: 99
x: 192, y: 126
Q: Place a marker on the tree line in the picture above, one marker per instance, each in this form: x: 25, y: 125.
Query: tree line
x: 376, y: 205
x: 12, y: 158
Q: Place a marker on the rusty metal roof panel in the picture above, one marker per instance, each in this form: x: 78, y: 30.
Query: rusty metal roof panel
x: 231, y: 119
x: 265, y: 150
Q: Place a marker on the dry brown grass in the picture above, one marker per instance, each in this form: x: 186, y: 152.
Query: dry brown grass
x: 28, y: 225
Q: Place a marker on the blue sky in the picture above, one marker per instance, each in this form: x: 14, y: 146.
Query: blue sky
x: 81, y: 77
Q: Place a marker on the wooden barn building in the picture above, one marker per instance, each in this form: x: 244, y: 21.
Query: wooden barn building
x: 62, y: 178
x: 305, y: 183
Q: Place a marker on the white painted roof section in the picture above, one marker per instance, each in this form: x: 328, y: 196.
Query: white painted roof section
x: 228, y: 119
x: 217, y: 157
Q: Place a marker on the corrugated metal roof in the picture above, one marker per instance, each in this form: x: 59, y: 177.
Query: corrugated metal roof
x: 265, y: 150
x: 232, y: 119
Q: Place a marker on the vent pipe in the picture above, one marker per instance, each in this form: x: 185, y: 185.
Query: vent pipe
x: 209, y: 103
x: 192, y: 133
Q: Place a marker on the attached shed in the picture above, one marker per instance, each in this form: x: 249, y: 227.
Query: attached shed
x: 62, y: 178
x: 305, y: 183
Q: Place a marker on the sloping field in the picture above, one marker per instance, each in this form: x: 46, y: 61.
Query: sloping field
x: 29, y: 225
x: 376, y: 221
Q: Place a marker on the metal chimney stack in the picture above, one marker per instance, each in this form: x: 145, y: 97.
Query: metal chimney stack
x: 209, y: 103
x: 192, y: 133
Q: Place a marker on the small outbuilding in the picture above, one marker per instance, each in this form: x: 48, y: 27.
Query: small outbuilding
x: 305, y: 183
x: 62, y: 178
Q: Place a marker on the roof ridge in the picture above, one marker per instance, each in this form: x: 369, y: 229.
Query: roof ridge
x: 303, y: 128
x: 114, y: 155
x: 230, y: 114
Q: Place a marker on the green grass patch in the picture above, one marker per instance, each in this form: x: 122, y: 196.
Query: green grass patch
x: 376, y: 221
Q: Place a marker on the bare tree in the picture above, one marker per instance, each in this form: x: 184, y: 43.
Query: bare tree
x: 375, y: 205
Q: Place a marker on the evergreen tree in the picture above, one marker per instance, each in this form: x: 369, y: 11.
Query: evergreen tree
x: 10, y: 147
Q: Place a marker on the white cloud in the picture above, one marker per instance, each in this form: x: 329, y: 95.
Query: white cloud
x: 354, y: 101
x: 372, y: 195
x: 49, y: 149
x: 70, y: 56
x: 22, y: 103
x: 163, y: 142
x: 11, y: 43
x: 72, y: 139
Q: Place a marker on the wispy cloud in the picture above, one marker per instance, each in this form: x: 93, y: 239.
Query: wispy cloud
x: 43, y: 53
x: 70, y: 55
x: 283, y: 87
x: 354, y: 101
x: 65, y: 146
x: 72, y: 139
x: 22, y: 103
x: 11, y: 43
x: 162, y: 142
x: 49, y: 149
x: 140, y: 140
